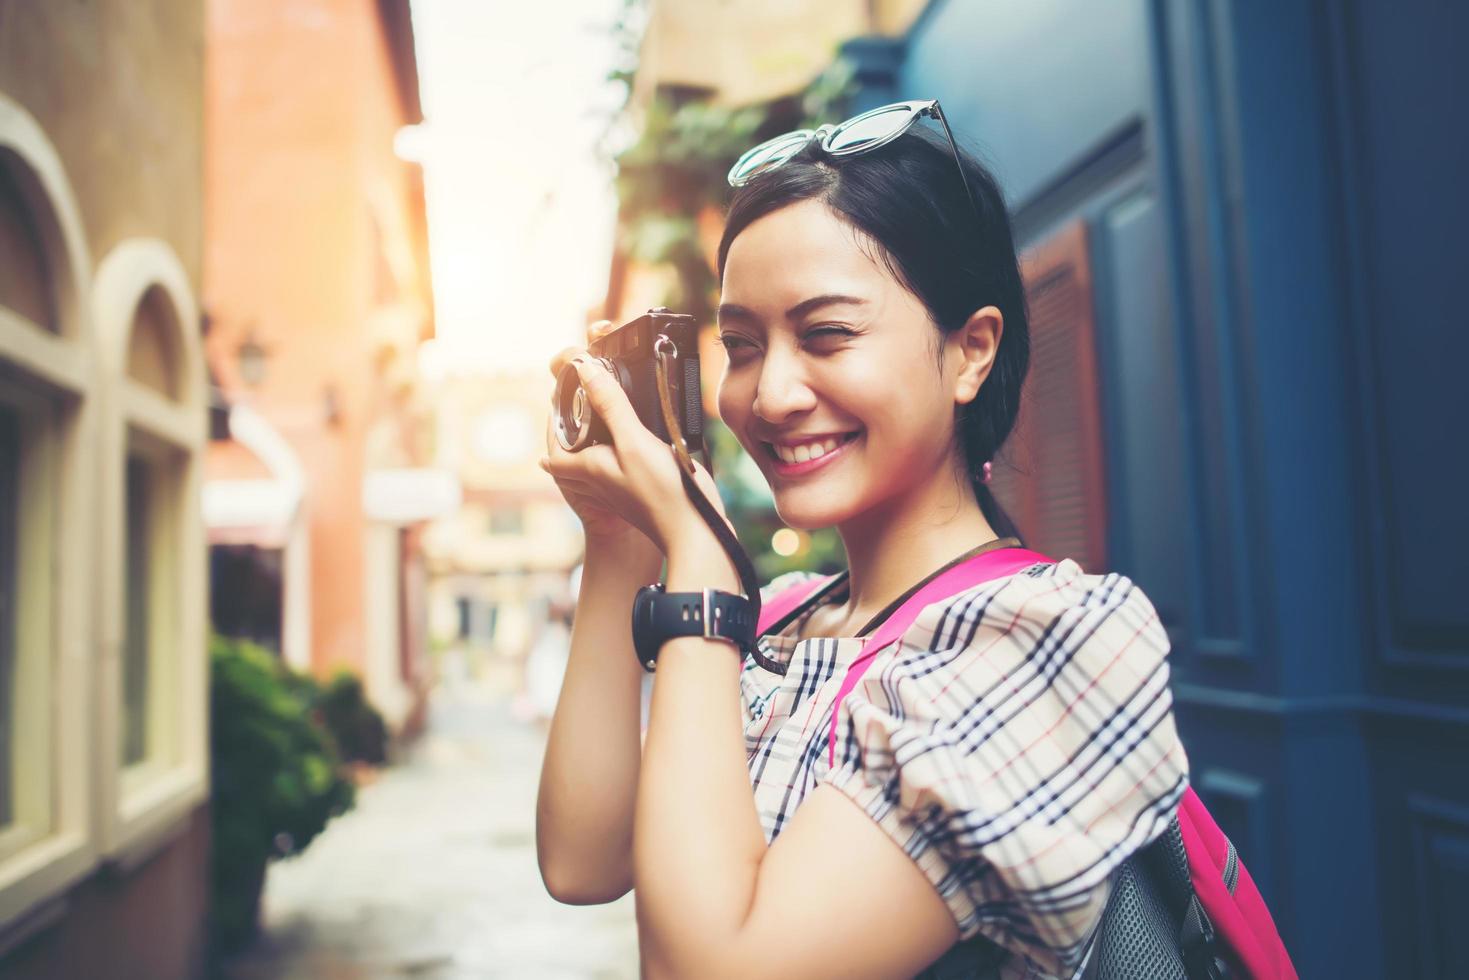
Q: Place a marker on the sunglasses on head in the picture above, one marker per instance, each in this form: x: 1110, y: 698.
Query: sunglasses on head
x: 868, y: 131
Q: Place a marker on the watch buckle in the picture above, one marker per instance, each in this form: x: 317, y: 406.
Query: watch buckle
x: 708, y: 614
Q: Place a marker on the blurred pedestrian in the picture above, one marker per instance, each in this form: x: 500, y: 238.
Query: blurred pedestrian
x: 545, y: 664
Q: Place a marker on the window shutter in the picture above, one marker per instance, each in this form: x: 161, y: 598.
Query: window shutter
x: 1049, y: 477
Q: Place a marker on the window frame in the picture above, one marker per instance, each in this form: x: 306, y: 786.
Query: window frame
x: 160, y: 731
x: 35, y: 620
x: 57, y: 362
x: 144, y: 805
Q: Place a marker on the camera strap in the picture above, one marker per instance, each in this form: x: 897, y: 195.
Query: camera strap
x: 665, y: 352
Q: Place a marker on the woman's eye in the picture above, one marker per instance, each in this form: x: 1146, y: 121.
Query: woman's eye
x: 825, y: 337
x: 733, y: 342
x: 828, y: 334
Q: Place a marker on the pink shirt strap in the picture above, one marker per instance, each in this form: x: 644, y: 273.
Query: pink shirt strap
x: 981, y: 568
x: 781, y: 604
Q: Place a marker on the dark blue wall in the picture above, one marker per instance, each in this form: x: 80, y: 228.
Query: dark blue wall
x: 1272, y: 194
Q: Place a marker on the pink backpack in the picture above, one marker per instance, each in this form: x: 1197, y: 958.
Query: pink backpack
x: 1183, y: 907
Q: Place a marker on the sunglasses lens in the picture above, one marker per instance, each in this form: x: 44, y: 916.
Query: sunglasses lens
x: 872, y: 127
x: 771, y: 153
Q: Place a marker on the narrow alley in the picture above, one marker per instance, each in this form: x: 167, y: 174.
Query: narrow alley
x: 433, y: 874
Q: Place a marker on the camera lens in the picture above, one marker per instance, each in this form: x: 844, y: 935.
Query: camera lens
x: 573, y: 413
x: 577, y: 425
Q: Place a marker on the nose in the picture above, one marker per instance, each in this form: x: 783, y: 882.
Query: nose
x: 782, y: 391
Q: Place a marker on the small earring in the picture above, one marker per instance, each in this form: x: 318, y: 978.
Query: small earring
x: 989, y: 472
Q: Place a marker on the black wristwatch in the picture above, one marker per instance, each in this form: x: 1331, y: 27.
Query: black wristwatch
x: 659, y: 616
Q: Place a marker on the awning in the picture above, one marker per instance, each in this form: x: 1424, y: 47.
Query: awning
x: 255, y: 511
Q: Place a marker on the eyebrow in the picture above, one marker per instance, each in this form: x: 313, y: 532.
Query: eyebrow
x: 734, y: 311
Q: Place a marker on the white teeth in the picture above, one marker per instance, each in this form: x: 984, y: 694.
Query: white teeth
x: 806, y: 451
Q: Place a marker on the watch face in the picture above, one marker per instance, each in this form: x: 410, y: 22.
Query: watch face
x: 644, y: 637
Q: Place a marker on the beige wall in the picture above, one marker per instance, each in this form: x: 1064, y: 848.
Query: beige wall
x: 117, y: 86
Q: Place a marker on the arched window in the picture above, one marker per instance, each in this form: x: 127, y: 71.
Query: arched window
x: 47, y: 527
x: 153, y: 550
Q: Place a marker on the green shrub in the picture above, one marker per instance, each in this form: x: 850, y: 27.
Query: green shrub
x: 359, y: 731
x: 356, y: 729
x: 276, y: 777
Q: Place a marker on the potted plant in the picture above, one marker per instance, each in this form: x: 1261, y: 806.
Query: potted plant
x: 276, y: 778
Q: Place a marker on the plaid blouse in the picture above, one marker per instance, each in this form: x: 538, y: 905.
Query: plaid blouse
x: 1017, y: 743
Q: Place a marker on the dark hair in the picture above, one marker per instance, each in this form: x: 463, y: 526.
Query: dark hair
x: 908, y: 200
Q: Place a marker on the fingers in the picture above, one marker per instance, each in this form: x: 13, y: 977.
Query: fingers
x: 595, y: 331
x: 562, y: 359
x: 608, y: 400
x: 591, y: 466
x: 553, y: 445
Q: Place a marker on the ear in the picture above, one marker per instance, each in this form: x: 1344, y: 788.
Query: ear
x: 972, y: 349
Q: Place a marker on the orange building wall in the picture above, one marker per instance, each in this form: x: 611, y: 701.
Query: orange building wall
x: 301, y: 107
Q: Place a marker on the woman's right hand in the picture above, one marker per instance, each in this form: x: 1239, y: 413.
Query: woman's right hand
x: 603, y: 528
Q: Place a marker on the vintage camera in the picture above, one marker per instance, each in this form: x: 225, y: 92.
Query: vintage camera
x: 629, y: 354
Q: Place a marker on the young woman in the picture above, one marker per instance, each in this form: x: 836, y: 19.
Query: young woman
x: 995, y: 765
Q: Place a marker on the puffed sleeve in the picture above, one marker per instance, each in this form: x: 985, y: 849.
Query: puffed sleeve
x: 1018, y: 744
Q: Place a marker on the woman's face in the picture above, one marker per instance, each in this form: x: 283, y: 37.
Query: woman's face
x: 832, y: 384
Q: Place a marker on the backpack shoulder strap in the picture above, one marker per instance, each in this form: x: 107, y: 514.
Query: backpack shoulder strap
x: 979, y: 569
x: 1229, y: 897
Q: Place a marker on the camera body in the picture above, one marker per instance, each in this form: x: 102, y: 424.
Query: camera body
x: 630, y: 353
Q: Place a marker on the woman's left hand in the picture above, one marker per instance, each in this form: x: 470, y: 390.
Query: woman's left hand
x: 636, y: 476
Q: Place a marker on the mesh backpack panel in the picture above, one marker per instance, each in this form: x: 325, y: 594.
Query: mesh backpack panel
x: 1137, y: 936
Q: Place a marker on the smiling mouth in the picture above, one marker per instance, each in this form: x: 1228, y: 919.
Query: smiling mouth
x: 787, y: 457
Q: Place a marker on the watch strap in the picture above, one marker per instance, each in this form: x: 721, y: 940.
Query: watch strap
x: 660, y: 616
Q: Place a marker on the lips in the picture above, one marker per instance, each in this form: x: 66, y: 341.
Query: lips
x: 792, y: 458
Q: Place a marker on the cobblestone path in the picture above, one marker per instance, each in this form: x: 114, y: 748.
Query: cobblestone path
x: 433, y: 875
